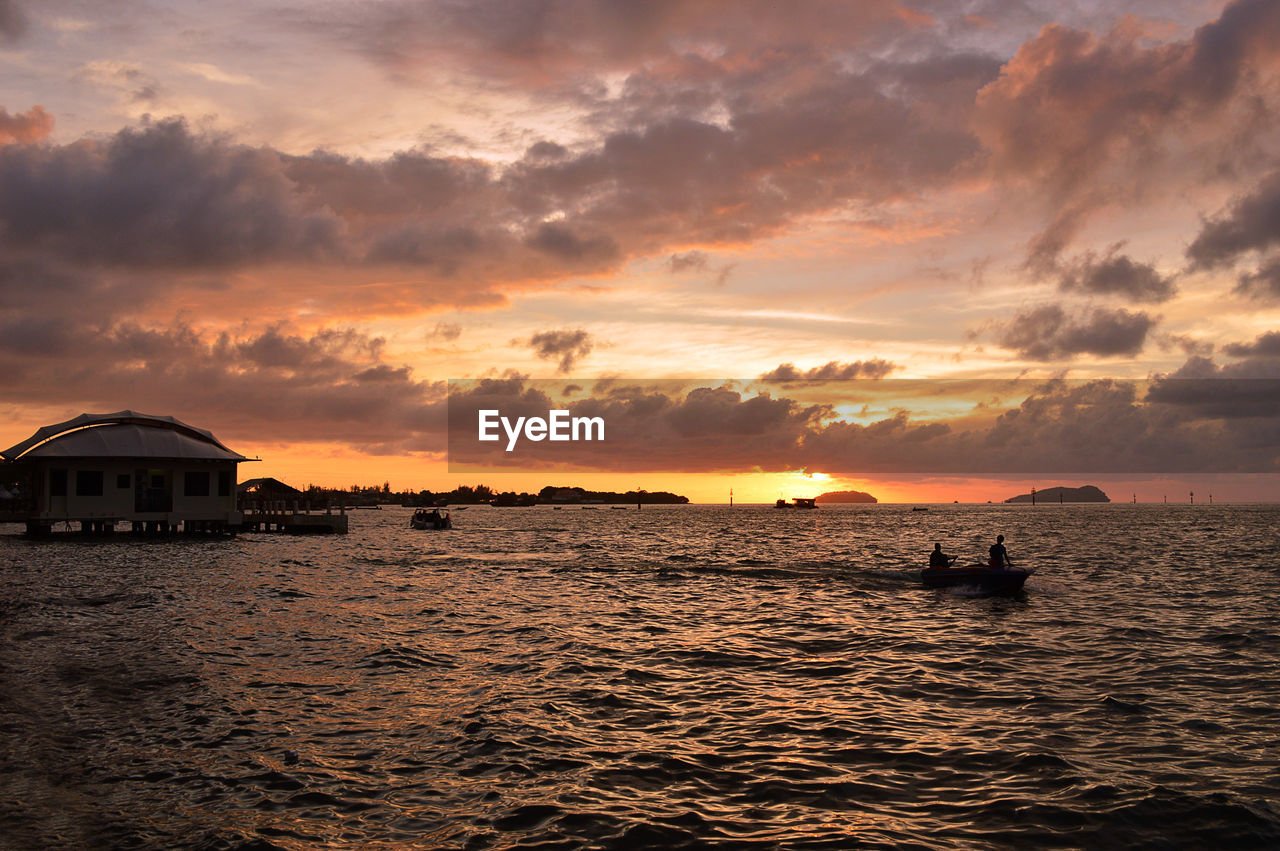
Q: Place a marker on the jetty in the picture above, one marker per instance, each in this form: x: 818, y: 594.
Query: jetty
x: 293, y: 518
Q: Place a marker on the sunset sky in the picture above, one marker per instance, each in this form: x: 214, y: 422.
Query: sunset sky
x: 292, y: 223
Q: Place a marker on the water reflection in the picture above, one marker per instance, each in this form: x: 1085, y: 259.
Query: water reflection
x: 656, y: 677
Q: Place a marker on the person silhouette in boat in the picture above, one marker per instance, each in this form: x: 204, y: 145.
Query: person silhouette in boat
x: 939, y: 559
x: 999, y: 555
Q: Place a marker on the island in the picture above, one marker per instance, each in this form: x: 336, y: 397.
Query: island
x: 1086, y: 493
x: 846, y: 496
x: 575, y: 496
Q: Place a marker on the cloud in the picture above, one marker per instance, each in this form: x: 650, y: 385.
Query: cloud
x: 330, y: 386
x: 1090, y: 120
x: 1264, y: 282
x: 1055, y: 426
x: 698, y: 261
x: 569, y: 345
x: 1049, y: 333
x: 1249, y: 226
x: 13, y: 21
x: 25, y: 127
x: 1188, y: 344
x: 1265, y: 345
x: 824, y: 142
x: 564, y: 244
x: 447, y: 331
x: 1116, y: 274
x: 161, y: 198
x: 1070, y: 102
x: 157, y: 197
x: 832, y: 371
x: 1251, y: 223
x: 551, y: 46
x: 1245, y: 394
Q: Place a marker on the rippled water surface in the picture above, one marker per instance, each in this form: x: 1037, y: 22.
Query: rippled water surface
x: 681, y: 676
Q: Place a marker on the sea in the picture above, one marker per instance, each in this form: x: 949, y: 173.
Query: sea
x: 672, y: 677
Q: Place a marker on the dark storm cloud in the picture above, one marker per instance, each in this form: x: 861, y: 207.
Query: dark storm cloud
x: 1098, y: 426
x: 24, y: 127
x: 1049, y: 332
x: 832, y: 371
x: 567, y: 345
x: 1117, y: 274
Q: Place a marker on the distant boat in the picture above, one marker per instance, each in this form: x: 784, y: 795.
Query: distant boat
x: 799, y: 502
x: 976, y: 575
x: 920, y: 508
x: 434, y: 519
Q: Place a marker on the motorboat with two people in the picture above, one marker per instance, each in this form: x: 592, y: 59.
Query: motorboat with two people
x: 997, y: 576
x: 436, y: 518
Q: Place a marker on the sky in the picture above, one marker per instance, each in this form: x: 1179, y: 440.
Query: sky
x: 294, y: 223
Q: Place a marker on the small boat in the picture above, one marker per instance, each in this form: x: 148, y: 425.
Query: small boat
x: 976, y: 575
x: 433, y: 519
x: 920, y: 508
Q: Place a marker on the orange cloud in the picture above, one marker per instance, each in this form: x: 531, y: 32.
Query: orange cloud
x: 26, y: 127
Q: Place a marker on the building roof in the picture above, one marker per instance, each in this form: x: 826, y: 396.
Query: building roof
x: 124, y: 434
x: 267, y: 485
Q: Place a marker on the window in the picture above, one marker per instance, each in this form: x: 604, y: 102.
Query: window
x: 57, y: 483
x: 224, y: 483
x: 88, y: 483
x: 122, y: 481
x: 195, y: 484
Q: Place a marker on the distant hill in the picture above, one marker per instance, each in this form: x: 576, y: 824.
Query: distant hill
x: 847, y: 496
x: 574, y: 495
x: 1087, y: 493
